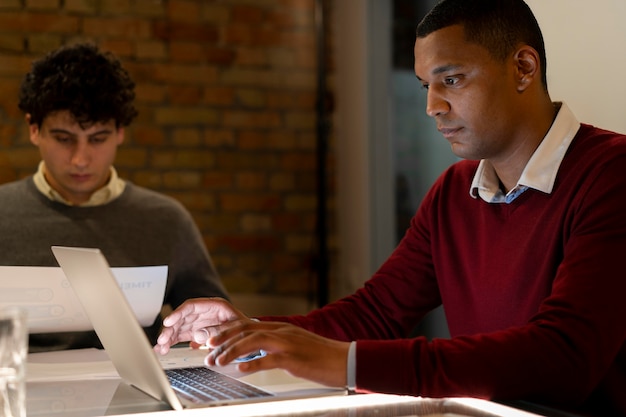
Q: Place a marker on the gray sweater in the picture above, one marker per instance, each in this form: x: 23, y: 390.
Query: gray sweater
x: 139, y: 228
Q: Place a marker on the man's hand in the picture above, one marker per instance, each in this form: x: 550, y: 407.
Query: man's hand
x: 299, y: 352
x: 230, y: 334
x: 194, y: 321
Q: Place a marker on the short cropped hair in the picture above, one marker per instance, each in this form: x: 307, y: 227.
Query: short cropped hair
x: 89, y: 83
x: 500, y: 26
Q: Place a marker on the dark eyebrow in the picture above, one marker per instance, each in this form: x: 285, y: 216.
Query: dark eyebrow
x: 445, y: 68
x: 442, y: 69
x: 63, y: 131
x: 100, y: 132
x: 60, y: 131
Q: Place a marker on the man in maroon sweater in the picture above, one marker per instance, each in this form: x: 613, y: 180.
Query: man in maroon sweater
x: 522, y: 242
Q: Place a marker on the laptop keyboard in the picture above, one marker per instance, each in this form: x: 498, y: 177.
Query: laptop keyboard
x: 201, y: 385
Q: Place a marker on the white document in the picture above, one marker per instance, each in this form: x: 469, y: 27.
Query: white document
x: 52, y: 305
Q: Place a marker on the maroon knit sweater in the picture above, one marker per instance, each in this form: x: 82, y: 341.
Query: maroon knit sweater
x: 534, y: 291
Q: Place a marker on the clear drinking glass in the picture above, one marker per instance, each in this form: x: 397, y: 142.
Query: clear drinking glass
x: 13, y: 350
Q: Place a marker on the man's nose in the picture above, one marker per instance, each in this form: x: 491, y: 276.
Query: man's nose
x: 81, y: 155
x: 436, y: 105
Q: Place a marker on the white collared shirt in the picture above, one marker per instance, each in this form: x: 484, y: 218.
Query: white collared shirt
x: 540, y: 171
x: 108, y: 193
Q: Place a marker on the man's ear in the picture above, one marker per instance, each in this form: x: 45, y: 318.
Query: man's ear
x: 33, y: 130
x: 527, y: 67
x: 120, y: 135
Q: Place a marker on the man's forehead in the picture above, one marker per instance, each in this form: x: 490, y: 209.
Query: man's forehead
x: 66, y: 119
x: 446, y: 50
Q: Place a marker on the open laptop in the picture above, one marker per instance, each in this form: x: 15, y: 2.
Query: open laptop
x: 129, y: 349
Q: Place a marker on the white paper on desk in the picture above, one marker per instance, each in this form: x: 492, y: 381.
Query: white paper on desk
x: 70, y: 365
x: 92, y: 363
x: 52, y: 305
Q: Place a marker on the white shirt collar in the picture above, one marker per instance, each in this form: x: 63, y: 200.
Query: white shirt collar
x: 541, y: 170
x: 108, y: 193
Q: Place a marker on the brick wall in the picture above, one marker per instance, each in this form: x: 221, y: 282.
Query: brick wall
x: 226, y: 91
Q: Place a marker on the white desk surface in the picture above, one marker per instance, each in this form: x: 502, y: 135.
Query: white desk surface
x: 85, y: 384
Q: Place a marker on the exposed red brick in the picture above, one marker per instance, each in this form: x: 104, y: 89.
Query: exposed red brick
x: 146, y: 135
x: 116, y: 27
x: 38, y: 22
x: 251, y: 180
x: 298, y: 161
x: 221, y: 222
x: 307, y: 6
x: 248, y: 14
x: 218, y: 95
x: 123, y: 48
x: 6, y: 134
x: 184, y: 10
x: 175, y: 31
x: 218, y: 180
x: 249, y: 202
x: 286, y: 222
x: 14, y: 67
x: 150, y: 93
x: 219, y: 138
x: 236, y: 160
x: 220, y: 56
x: 251, y: 57
x: 250, y: 243
x: 287, y: 262
x: 186, y: 51
x: 248, y: 119
x: 191, y: 94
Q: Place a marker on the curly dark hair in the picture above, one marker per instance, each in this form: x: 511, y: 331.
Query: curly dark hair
x: 89, y: 83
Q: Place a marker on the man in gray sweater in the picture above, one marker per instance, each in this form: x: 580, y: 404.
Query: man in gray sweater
x: 77, y: 101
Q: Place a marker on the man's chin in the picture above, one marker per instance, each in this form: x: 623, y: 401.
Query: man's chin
x: 465, y: 152
x: 459, y: 150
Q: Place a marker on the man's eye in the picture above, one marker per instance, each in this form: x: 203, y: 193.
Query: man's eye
x: 425, y: 86
x: 62, y: 139
x: 450, y: 80
x: 98, y: 139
